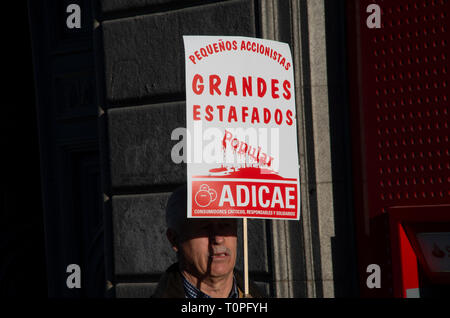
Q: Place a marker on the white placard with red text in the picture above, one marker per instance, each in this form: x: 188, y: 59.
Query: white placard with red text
x: 242, y: 156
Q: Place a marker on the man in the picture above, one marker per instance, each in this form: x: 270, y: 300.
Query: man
x: 206, y: 251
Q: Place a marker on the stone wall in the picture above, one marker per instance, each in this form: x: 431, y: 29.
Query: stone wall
x: 140, y: 59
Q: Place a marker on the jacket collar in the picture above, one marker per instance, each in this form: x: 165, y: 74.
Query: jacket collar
x: 171, y: 285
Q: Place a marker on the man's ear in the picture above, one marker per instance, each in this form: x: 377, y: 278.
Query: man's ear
x: 173, y: 239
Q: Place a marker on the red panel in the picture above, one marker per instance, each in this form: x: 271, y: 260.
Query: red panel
x: 409, y: 270
x: 406, y: 223
x: 399, y: 103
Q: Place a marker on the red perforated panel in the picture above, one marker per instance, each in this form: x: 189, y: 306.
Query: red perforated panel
x: 399, y: 81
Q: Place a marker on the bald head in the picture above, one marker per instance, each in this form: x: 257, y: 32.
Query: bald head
x: 176, y: 209
x: 176, y: 215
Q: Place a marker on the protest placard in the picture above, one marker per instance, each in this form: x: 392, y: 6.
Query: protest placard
x: 242, y: 157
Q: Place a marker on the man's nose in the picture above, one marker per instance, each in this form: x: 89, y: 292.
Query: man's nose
x: 217, y: 238
x: 216, y: 235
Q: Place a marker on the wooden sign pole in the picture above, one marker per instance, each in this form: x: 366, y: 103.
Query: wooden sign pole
x: 244, y: 226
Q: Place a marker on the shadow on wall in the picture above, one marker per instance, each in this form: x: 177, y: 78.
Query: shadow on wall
x: 22, y: 265
x: 343, y: 244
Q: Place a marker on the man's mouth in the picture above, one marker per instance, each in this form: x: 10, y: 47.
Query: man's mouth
x: 220, y: 252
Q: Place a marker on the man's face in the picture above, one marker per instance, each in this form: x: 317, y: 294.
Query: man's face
x: 208, y: 246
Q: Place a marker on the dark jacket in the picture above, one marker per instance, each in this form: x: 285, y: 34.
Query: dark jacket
x: 171, y: 285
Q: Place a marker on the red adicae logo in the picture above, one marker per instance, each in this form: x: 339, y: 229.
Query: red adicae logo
x: 205, y: 196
